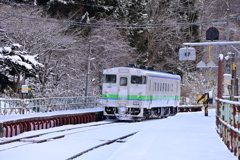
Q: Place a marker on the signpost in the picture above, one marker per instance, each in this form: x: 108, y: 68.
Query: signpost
x: 26, y: 89
x: 187, y: 53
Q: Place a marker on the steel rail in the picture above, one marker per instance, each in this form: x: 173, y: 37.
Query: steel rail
x: 54, y: 137
x: 101, y: 145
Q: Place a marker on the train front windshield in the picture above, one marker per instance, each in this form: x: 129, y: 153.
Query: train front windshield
x: 109, y: 78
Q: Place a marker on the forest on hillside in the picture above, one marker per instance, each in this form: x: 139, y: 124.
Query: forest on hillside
x: 59, y: 35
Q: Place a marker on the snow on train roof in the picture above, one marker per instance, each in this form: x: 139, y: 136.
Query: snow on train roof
x: 159, y: 73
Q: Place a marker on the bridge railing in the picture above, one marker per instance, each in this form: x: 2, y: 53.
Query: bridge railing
x: 228, y: 124
x: 43, y: 105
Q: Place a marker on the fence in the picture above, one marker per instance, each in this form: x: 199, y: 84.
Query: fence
x: 228, y: 124
x: 43, y: 105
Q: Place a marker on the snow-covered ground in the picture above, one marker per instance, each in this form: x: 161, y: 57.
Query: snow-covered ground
x: 186, y: 136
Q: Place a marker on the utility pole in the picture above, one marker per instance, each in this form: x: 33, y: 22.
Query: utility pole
x: 88, y: 70
x: 227, y: 69
x: 220, y: 85
x: 227, y: 29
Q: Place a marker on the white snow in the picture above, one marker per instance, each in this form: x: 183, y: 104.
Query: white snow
x: 229, y: 102
x: 186, y: 136
x: 32, y: 59
x: 221, y: 56
x: 20, y: 57
x: 17, y: 45
x: 49, y: 114
x: 8, y: 49
x: 16, y: 59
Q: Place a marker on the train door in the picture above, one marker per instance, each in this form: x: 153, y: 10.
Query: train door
x: 149, y: 92
x: 123, y: 89
x: 176, y: 93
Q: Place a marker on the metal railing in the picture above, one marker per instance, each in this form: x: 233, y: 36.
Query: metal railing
x: 228, y: 124
x: 43, y: 105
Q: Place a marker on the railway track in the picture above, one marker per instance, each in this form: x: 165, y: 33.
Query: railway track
x: 65, y: 143
x: 48, y: 135
x: 101, y: 145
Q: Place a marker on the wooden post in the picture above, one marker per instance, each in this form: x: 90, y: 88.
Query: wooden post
x: 1, y: 130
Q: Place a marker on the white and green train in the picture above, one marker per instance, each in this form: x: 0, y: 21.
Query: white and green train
x: 135, y: 94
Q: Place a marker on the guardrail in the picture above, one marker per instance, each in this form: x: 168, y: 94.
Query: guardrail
x: 43, y: 105
x: 228, y: 124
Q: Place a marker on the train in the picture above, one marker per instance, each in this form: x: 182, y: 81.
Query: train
x: 136, y: 93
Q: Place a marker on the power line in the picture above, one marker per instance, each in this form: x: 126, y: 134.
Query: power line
x: 174, y: 9
x: 180, y: 9
x: 109, y: 7
x: 119, y: 26
x: 145, y: 9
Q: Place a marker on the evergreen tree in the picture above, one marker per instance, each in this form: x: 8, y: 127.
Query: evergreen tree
x: 16, y: 66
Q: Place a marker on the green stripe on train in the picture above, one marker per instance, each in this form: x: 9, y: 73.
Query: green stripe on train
x: 137, y: 97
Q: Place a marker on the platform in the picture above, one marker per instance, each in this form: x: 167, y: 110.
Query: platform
x: 15, y: 124
x: 186, y: 136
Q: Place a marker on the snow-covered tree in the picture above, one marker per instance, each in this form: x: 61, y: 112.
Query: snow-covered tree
x: 109, y: 49
x: 48, y: 40
x: 16, y: 66
x: 63, y: 50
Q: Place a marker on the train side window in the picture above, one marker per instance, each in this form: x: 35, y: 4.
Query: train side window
x: 109, y: 78
x: 123, y: 81
x: 144, y: 80
x: 138, y: 79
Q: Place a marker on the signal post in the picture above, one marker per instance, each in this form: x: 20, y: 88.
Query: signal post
x: 189, y: 55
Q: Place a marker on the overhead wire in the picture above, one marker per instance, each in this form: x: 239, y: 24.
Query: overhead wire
x: 112, y: 25
x: 182, y: 9
x: 116, y: 25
